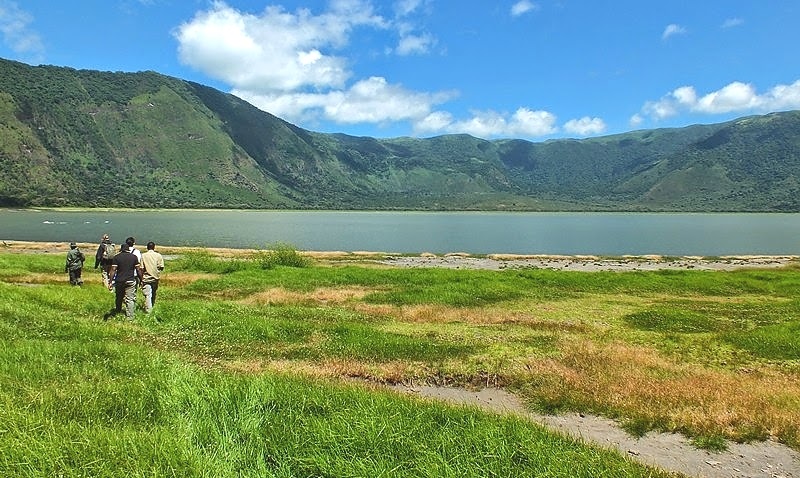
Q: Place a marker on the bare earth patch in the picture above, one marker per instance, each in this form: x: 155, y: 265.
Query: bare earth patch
x: 668, y: 451
x: 462, y: 260
x: 588, y: 263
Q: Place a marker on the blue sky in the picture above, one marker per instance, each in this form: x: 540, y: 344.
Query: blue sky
x: 531, y: 69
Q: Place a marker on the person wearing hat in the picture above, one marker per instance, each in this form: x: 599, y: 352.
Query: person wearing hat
x: 103, y: 257
x: 74, y: 264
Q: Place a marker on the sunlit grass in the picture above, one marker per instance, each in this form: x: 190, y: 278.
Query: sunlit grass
x: 91, y: 398
x: 712, y: 355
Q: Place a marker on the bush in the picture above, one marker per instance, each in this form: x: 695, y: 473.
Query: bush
x: 281, y: 254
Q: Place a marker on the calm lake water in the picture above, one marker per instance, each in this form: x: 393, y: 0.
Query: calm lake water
x: 415, y: 232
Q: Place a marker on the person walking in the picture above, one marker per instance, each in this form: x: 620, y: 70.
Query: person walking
x: 130, y: 242
x: 103, y: 257
x: 74, y: 264
x: 125, y: 269
x: 152, y: 265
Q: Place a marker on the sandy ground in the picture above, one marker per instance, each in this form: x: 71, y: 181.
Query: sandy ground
x: 588, y: 263
x: 668, y: 451
x: 458, y: 260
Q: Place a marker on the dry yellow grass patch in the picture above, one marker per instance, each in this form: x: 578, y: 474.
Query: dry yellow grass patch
x: 477, y: 316
x: 427, y: 313
x: 324, y: 295
x: 26, y: 247
x: 637, y: 381
x: 44, y: 278
x: 390, y: 372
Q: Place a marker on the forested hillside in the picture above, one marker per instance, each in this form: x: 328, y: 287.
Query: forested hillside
x: 88, y: 138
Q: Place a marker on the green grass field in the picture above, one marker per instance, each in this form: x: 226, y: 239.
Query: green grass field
x: 239, y: 371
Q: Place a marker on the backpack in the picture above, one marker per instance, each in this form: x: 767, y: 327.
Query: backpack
x: 75, y: 261
x: 109, y: 251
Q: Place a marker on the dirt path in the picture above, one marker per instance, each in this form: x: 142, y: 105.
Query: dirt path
x: 668, y: 451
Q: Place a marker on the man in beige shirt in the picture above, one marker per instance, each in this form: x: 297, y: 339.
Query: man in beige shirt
x: 152, y: 265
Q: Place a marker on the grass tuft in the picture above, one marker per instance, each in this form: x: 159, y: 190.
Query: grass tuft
x: 280, y: 254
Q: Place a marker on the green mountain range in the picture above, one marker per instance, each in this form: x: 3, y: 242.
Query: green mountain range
x: 101, y: 139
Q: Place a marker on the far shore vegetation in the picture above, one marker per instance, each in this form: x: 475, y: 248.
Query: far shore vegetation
x: 270, y: 363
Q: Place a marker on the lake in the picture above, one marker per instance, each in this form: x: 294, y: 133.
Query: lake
x: 415, y: 232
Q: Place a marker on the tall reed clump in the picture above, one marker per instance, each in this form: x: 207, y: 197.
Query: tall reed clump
x: 280, y: 254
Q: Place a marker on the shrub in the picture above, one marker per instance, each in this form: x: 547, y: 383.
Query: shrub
x: 281, y: 254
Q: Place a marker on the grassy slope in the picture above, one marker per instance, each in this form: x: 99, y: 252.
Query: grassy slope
x: 90, y: 138
x: 211, y: 389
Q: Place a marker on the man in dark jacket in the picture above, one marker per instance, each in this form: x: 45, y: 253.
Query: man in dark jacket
x: 102, y: 258
x: 125, y: 270
x: 74, y: 264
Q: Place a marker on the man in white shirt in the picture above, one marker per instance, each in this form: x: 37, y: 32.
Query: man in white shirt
x: 152, y: 265
x: 136, y: 252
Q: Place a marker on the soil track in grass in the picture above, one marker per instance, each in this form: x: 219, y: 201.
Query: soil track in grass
x: 668, y: 451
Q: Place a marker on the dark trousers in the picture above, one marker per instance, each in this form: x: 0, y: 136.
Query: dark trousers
x: 126, y: 292
x: 75, y: 277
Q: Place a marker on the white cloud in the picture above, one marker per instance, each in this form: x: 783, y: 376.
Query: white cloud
x: 17, y: 34
x: 407, y: 7
x: 293, y: 65
x: 287, y: 63
x: 735, y: 97
x: 782, y: 97
x: 411, y: 44
x: 411, y: 41
x: 522, y: 7
x: 487, y: 124
x: 585, y: 126
x: 532, y: 123
x: 732, y: 22
x: 671, y: 30
x: 275, y: 51
x: 663, y: 108
x: 435, y: 122
x: 685, y: 95
x: 373, y: 100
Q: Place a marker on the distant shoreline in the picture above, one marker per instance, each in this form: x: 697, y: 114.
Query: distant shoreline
x: 460, y: 260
